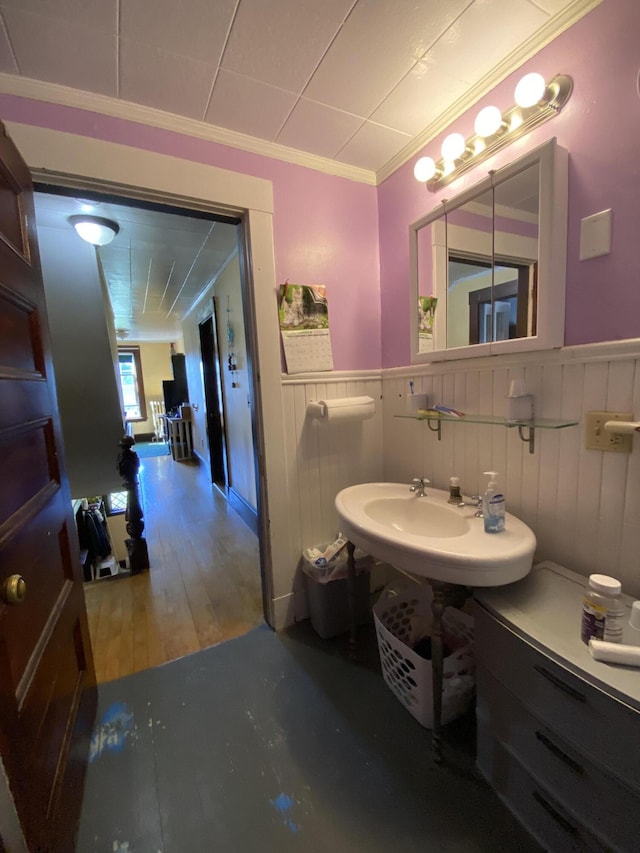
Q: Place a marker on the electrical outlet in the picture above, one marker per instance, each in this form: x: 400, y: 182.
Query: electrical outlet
x: 597, y: 439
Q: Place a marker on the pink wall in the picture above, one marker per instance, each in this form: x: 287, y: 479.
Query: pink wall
x: 600, y: 127
x: 325, y: 227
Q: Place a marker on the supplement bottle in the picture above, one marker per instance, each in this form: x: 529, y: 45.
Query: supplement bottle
x: 603, y: 610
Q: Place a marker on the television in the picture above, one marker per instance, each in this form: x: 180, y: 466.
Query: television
x: 172, y: 396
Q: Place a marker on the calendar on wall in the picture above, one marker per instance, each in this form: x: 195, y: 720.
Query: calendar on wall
x: 304, y: 327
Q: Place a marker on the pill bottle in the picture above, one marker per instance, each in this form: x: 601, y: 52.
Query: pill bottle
x: 603, y: 610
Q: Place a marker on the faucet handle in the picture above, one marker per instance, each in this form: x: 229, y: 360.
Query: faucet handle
x: 418, y: 486
x: 478, y: 504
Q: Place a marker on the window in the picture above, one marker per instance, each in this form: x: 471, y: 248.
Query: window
x: 116, y: 503
x: 130, y: 375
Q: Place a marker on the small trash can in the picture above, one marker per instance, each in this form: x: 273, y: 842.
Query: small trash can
x: 328, y: 596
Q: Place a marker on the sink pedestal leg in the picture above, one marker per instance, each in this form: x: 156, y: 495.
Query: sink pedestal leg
x: 351, y: 596
x: 437, y: 608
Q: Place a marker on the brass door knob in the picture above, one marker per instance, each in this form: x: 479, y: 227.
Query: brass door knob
x: 14, y: 589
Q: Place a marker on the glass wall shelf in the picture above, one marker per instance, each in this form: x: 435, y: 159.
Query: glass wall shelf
x: 529, y: 425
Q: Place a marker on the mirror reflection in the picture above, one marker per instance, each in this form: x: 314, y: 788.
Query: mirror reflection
x: 476, y: 262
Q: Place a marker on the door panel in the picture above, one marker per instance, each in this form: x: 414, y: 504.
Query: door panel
x: 47, y: 682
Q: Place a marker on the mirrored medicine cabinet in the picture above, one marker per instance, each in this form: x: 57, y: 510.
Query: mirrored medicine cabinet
x: 488, y: 267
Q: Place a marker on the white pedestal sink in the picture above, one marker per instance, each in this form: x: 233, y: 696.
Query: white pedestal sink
x: 443, y: 542
x: 430, y: 537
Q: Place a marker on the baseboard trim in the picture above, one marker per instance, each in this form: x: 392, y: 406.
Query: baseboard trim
x: 246, y: 512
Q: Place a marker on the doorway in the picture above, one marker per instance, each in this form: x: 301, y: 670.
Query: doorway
x: 72, y: 160
x: 196, y: 617
x: 214, y: 401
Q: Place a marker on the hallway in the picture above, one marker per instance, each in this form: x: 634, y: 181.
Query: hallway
x: 203, y: 586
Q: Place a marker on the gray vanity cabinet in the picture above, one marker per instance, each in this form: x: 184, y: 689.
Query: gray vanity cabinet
x: 558, y: 733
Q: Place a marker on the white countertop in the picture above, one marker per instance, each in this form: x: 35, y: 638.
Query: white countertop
x: 545, y: 609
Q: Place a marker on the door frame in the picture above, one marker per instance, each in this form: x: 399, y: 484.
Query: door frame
x: 86, y: 163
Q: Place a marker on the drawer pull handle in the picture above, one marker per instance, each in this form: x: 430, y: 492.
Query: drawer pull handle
x: 559, y: 753
x: 557, y: 682
x: 555, y: 814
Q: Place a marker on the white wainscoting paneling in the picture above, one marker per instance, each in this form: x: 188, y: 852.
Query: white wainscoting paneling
x: 583, y: 505
x: 323, y: 458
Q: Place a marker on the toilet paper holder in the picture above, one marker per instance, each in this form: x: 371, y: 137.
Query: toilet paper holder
x: 342, y: 409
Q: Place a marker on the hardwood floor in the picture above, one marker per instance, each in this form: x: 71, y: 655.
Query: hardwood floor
x: 203, y: 586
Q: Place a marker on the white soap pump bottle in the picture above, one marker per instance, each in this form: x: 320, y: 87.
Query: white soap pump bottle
x: 493, y: 505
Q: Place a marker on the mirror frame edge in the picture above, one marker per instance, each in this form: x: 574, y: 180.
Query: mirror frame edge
x: 552, y: 257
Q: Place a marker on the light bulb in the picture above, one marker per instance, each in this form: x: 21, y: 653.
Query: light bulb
x: 453, y: 146
x: 530, y: 90
x: 424, y: 169
x: 95, y: 229
x: 488, y: 121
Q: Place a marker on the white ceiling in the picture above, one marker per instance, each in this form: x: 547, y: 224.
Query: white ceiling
x: 359, y: 82
x: 350, y: 86
x: 156, y: 267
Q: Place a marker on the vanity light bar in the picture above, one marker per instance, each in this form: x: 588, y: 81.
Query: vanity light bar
x: 518, y: 120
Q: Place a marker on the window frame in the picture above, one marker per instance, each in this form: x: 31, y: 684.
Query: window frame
x: 134, y: 350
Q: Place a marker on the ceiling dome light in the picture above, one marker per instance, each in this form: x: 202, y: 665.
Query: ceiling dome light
x: 424, y: 169
x: 488, y: 121
x: 453, y: 146
x: 530, y: 90
x: 95, y: 229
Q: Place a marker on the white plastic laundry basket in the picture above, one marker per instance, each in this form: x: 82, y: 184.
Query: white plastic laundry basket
x: 401, y: 620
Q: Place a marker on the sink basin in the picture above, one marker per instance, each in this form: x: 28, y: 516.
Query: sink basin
x: 430, y: 537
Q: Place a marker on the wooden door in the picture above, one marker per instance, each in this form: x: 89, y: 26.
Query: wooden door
x: 213, y: 398
x: 47, y: 680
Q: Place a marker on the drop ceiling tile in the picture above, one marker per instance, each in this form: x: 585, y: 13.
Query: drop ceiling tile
x: 197, y: 28
x: 317, y: 128
x: 375, y: 49
x: 248, y: 106
x: 373, y: 146
x: 66, y: 52
x: 280, y: 42
x: 167, y: 81
x: 96, y: 14
x: 419, y: 99
x: 467, y: 50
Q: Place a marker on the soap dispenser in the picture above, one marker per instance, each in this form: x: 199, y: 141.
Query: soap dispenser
x: 493, y: 505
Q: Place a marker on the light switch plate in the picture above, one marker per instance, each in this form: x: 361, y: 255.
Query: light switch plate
x: 597, y: 439
x: 595, y: 235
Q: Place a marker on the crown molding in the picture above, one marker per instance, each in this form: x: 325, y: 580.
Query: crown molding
x: 553, y: 28
x: 24, y: 87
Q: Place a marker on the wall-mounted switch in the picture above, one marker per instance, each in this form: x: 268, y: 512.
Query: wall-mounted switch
x: 595, y: 235
x: 597, y: 439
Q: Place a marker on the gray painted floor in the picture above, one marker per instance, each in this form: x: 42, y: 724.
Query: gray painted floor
x: 277, y: 742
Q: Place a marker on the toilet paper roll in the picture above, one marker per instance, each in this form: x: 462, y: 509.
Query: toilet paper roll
x: 343, y: 409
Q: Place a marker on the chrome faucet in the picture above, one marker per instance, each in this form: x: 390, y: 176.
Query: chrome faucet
x: 418, y: 486
x: 478, y: 504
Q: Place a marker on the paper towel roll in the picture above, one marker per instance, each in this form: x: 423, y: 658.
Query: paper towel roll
x: 343, y: 409
x: 614, y: 652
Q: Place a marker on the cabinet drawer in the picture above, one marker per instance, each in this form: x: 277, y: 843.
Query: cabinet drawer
x: 591, y: 721
x: 543, y: 816
x: 604, y: 804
